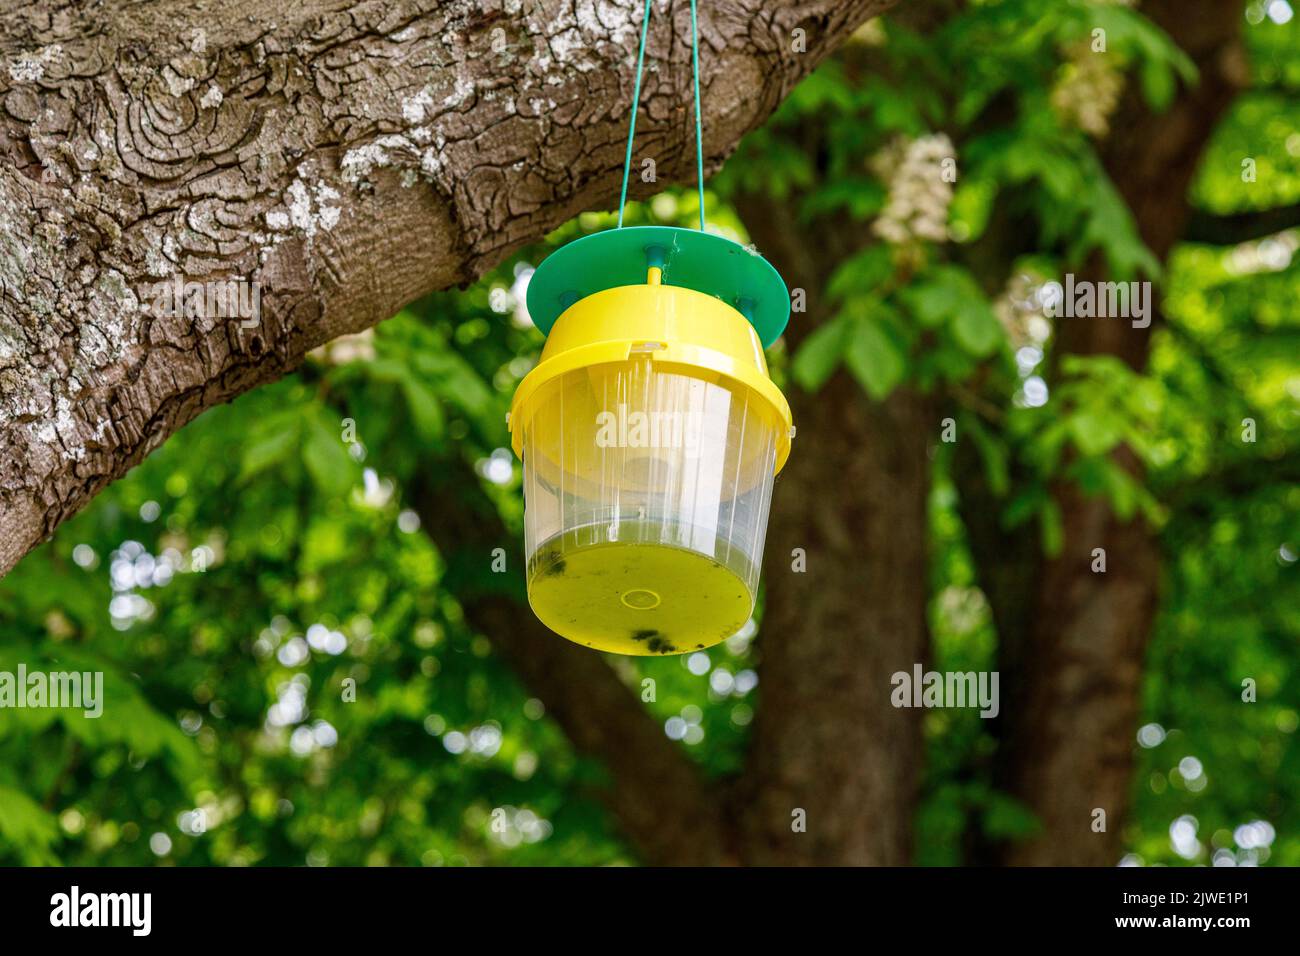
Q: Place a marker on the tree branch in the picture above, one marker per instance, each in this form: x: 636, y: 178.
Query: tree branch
x: 339, y: 158
x: 1236, y: 228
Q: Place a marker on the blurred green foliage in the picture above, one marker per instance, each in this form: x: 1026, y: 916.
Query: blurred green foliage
x: 290, y: 677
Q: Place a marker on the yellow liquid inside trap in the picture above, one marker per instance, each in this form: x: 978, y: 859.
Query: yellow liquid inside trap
x: 634, y: 598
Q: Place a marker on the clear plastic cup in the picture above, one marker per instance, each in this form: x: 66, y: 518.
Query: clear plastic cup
x: 647, y: 487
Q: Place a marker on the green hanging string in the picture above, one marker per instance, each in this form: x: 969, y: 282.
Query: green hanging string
x: 699, y: 130
x: 636, y: 102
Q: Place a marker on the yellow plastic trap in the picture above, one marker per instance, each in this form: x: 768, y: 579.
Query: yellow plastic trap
x: 650, y: 434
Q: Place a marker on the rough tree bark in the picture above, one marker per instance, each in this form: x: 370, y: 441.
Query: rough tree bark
x: 826, y: 739
x: 1072, y: 643
x: 345, y: 157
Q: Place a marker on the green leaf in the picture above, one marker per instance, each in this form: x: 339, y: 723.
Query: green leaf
x: 1096, y: 433
x: 1158, y: 85
x: 1125, y: 493
x: 425, y: 409
x: 977, y: 329
x: 862, y: 196
x: 933, y: 303
x: 1051, y: 527
x: 325, y: 543
x: 819, y: 355
x: 457, y: 384
x: 270, y: 444
x: 940, y: 293
x: 861, y: 273
x: 948, y: 294
x: 385, y: 369
x: 25, y: 824
x: 972, y: 204
x: 873, y: 358
x: 1111, y: 228
x: 327, y: 461
x: 1006, y: 818
x: 993, y: 453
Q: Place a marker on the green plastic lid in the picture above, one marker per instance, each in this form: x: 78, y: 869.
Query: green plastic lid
x: 689, y: 259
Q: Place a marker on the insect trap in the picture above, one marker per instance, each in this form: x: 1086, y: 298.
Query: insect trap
x: 650, y: 434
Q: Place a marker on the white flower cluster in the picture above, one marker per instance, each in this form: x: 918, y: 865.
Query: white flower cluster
x: 1020, y: 310
x: 1088, y: 90
x: 357, y: 347
x: 919, y: 190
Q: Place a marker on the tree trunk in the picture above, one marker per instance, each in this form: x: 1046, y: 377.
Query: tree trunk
x: 1074, y: 687
x: 1072, y: 642
x: 340, y: 159
x: 826, y: 740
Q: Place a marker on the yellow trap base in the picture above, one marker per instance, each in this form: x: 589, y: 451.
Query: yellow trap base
x: 633, y: 598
